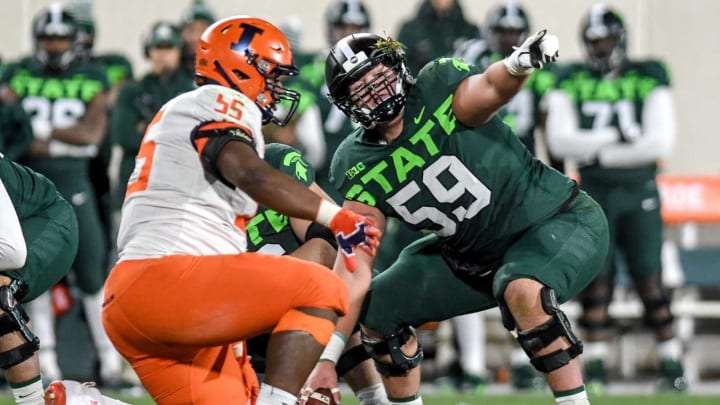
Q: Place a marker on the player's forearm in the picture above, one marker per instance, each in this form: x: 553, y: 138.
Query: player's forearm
x: 80, y: 134
x: 655, y: 140
x: 357, y: 283
x: 480, y: 96
x: 90, y: 130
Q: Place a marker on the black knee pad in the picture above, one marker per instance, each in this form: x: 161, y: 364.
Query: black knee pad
x: 14, y: 318
x: 400, y: 364
x: 535, y: 339
x: 656, y: 301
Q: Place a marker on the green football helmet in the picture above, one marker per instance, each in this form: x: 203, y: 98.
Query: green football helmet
x: 604, y: 36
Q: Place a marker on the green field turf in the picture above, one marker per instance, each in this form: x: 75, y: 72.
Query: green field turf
x: 508, y: 400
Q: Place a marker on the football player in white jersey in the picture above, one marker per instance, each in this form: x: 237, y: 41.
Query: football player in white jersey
x: 184, y: 289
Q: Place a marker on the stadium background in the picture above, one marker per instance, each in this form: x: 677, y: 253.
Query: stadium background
x: 684, y: 33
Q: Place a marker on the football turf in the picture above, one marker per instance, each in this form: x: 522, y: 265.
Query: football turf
x: 668, y: 399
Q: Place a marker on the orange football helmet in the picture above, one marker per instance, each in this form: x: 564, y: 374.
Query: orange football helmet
x: 249, y: 55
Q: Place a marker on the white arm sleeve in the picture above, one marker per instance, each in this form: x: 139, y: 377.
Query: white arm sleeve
x: 309, y: 132
x: 564, y: 136
x: 13, y: 251
x: 656, y: 138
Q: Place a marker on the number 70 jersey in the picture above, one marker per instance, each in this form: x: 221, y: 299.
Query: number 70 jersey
x: 471, y: 186
x: 171, y: 205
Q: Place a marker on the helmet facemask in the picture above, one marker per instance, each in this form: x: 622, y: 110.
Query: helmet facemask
x: 383, y: 97
x: 50, y: 25
x: 604, y: 36
x: 277, y: 102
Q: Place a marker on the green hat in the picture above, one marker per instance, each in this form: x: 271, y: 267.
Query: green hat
x: 198, y: 11
x: 163, y: 33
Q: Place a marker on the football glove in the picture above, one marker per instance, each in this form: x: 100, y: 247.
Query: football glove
x: 351, y: 231
x: 539, y: 49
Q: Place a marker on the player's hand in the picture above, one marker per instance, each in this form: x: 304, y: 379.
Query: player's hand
x: 354, y: 231
x: 322, y: 376
x: 538, y: 50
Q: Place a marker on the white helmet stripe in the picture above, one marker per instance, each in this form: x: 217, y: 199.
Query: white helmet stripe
x: 353, y: 59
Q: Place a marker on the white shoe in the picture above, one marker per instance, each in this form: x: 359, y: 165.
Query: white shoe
x: 68, y: 392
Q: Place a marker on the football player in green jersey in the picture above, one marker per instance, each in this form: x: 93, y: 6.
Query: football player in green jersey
x: 615, y: 117
x: 38, y: 242
x: 273, y: 233
x: 505, y: 229
x: 507, y: 25
x: 66, y: 100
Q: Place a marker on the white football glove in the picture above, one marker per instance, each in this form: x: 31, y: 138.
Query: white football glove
x: 539, y: 49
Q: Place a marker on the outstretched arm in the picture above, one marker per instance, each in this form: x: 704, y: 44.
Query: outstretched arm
x: 480, y: 96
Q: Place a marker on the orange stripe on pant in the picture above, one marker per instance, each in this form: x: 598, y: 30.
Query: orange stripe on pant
x: 175, y: 318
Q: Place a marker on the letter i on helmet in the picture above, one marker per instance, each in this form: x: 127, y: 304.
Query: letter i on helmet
x: 249, y: 55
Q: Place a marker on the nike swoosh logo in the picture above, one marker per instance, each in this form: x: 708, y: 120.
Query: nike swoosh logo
x: 24, y: 396
x: 419, y: 117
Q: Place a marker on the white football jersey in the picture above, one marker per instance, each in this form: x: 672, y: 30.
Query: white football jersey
x: 171, y: 207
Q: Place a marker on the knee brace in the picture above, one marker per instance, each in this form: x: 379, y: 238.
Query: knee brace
x: 535, y: 339
x: 400, y: 364
x: 596, y: 296
x: 14, y: 318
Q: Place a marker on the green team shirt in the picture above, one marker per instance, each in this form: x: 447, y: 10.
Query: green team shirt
x: 269, y: 231
x: 617, y: 102
x: 116, y: 67
x: 136, y: 105
x: 474, y: 187
x: 60, y: 99
x: 30, y: 192
x: 336, y: 125
x: 15, y: 131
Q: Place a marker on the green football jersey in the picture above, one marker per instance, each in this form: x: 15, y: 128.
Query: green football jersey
x: 60, y: 99
x: 269, y: 231
x: 601, y: 102
x: 15, y: 131
x: 335, y: 124
x: 474, y: 187
x: 30, y: 192
x: 116, y: 67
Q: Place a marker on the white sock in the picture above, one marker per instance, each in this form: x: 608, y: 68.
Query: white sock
x: 470, y: 332
x: 29, y: 393
x: 372, y: 395
x: 595, y: 350
x: 110, y: 361
x: 573, y: 397
x: 518, y: 357
x: 670, y: 349
x: 270, y: 395
x: 43, y: 319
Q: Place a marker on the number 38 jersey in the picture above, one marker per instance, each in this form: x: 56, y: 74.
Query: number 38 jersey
x: 171, y: 205
x: 474, y: 187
